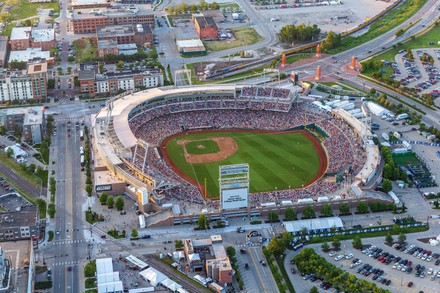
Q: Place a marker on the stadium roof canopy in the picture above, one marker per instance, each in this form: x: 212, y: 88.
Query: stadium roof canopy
x: 317, y: 225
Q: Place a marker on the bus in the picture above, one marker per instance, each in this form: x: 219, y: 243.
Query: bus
x: 81, y: 134
x: 82, y: 160
x: 81, y: 150
x: 299, y: 246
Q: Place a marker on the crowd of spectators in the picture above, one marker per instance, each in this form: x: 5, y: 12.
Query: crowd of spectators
x: 344, y: 149
x: 253, y: 91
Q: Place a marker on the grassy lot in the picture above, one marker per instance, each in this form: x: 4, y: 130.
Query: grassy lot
x: 244, y: 36
x: 293, y: 58
x: 292, y: 155
x: 387, y: 22
x: 232, y: 6
x: 418, y: 42
x: 22, y: 9
x: 16, y: 167
x: 202, y: 147
x: 90, y: 283
x: 343, y: 86
x: 406, y: 159
x: 84, y: 50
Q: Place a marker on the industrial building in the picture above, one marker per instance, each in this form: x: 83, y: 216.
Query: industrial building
x: 206, y: 28
x: 23, y: 38
x: 189, y: 47
x: 139, y: 34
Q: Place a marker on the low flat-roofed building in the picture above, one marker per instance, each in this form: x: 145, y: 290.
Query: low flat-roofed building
x: 30, y: 55
x: 188, y: 47
x: 109, y: 47
x: 219, y: 251
x: 20, y: 38
x: 219, y: 270
x: 43, y: 38
x: 19, y: 225
x: 31, y: 120
x: 89, y: 3
x: 140, y: 34
x: 108, y: 182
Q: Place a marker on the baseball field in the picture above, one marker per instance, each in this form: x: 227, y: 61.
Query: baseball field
x: 277, y: 161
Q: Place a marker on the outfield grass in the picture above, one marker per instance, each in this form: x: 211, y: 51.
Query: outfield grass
x: 406, y: 159
x: 202, y: 147
x: 277, y: 161
x: 244, y: 36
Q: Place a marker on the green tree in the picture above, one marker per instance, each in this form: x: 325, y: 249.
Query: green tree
x: 110, y: 202
x: 401, y: 238
x: 272, y: 217
x: 290, y: 214
x: 89, y: 189
x: 389, y: 239
x: 314, y: 289
x: 9, y: 152
x: 51, y: 210
x: 90, y: 269
x: 119, y: 203
x: 396, y: 229
x: 309, y: 212
x: 326, y: 210
x: 357, y: 242
x: 134, y: 233
x: 332, y: 40
x: 387, y: 186
x: 202, y: 222
x: 178, y: 244
x: 336, y: 243
x: 325, y: 247
x: 276, y: 246
x: 344, y: 209
x: 120, y: 65
x: 362, y: 208
x: 103, y: 198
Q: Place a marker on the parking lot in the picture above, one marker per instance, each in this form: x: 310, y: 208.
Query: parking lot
x: 421, y: 73
x: 398, y: 268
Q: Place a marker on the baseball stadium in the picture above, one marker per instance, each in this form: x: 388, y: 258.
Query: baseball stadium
x: 172, y: 141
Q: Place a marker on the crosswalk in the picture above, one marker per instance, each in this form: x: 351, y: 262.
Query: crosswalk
x: 72, y: 119
x: 66, y: 263
x: 249, y: 244
x: 63, y: 242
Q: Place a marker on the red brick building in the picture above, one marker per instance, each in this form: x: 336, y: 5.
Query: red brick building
x: 23, y: 38
x: 87, y: 21
x: 206, y: 28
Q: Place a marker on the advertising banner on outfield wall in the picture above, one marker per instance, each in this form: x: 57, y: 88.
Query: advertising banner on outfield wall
x: 234, y: 198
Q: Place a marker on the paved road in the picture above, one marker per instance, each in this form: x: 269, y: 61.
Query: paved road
x: 266, y: 282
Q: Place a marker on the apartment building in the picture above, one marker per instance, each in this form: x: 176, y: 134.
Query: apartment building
x: 24, y: 84
x: 93, y: 83
x: 88, y: 20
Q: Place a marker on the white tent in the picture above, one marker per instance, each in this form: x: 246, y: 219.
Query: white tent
x: 178, y: 255
x: 170, y: 284
x: 153, y: 276
x: 377, y: 110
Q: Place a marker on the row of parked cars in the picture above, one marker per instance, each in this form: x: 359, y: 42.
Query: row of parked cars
x: 313, y: 278
x: 368, y: 269
x: 4, y: 184
x: 423, y: 254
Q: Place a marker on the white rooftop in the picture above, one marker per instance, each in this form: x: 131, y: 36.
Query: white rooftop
x: 34, y: 116
x: 189, y: 43
x: 20, y: 33
x: 29, y: 54
x: 43, y: 35
x: 104, y: 265
x: 313, y: 224
x: 111, y: 287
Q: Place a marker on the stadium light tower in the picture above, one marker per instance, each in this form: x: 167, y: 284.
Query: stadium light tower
x: 271, y: 70
x: 179, y: 77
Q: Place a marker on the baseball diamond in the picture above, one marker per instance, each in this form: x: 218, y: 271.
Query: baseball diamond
x: 277, y: 160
